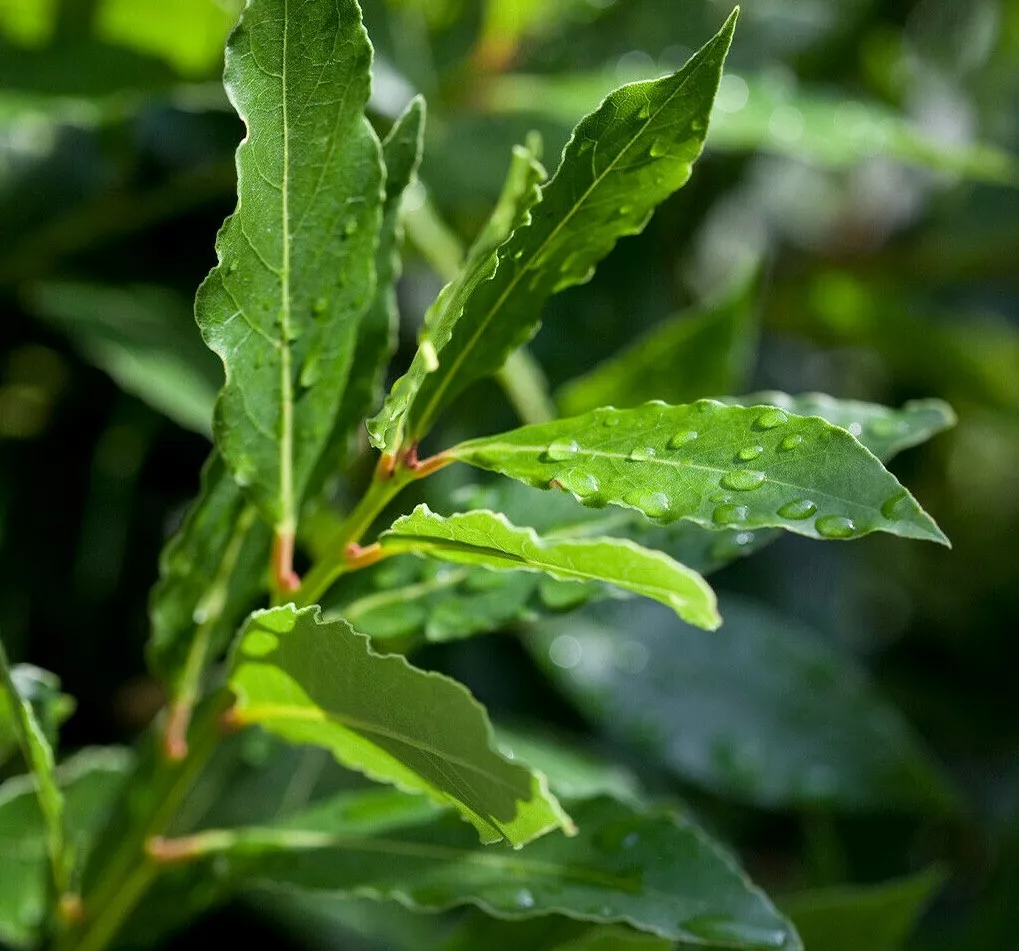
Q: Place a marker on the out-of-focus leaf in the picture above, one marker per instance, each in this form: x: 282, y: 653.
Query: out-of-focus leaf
x: 401, y: 153
x: 513, y: 210
x: 490, y: 540
x: 719, y: 466
x: 622, y: 161
x: 38, y: 753
x: 27, y: 22
x: 863, y: 917
x: 296, y: 260
x: 41, y: 691
x: 553, y: 933
x: 761, y: 711
x: 143, y: 337
x: 210, y: 575
x: 89, y: 782
x: 758, y: 113
x: 703, y: 352
x: 189, y: 34
x: 320, y: 683
x: 651, y: 869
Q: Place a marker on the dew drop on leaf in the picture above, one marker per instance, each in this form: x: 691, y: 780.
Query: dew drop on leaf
x: 798, y: 509
x: 523, y: 899
x: 889, y: 506
x: 610, y: 420
x: 320, y: 306
x: 642, y: 453
x: 652, y: 504
x: 581, y: 484
x: 561, y: 451
x: 770, y: 418
x: 790, y: 442
x: 658, y: 148
x: 682, y: 438
x: 835, y: 526
x: 743, y: 480
x: 750, y: 452
x: 717, y: 929
x: 730, y: 513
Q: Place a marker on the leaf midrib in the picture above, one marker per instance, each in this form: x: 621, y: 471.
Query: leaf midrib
x: 442, y: 386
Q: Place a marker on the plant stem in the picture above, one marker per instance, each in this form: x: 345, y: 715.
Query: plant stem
x: 130, y: 872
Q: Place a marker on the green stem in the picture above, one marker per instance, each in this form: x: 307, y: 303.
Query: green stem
x: 130, y: 872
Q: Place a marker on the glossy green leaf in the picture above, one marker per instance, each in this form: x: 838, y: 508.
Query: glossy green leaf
x: 513, y: 210
x: 719, y: 466
x: 761, y: 711
x: 653, y: 870
x: 551, y: 933
x: 41, y: 691
x: 38, y: 753
x: 144, y: 338
x: 863, y: 917
x: 490, y: 539
x: 211, y: 574
x: 321, y: 683
x: 401, y: 152
x: 703, y: 352
x: 296, y: 259
x: 622, y: 161
x: 88, y: 782
x: 768, y: 114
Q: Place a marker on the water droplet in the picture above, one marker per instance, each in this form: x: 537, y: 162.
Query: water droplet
x: 798, y: 509
x: 644, y: 111
x: 682, y: 438
x: 790, y: 442
x: 889, y: 506
x: 770, y: 418
x: 707, y: 406
x: 618, y: 837
x: 350, y: 227
x: 743, y: 480
x: 309, y: 372
x: 610, y: 420
x: 523, y: 899
x: 715, y: 928
x: 428, y: 354
x: 652, y: 504
x: 720, y: 497
x: 320, y: 306
x: 886, y: 427
x: 565, y: 652
x: 855, y: 429
x: 642, y: 453
x: 231, y: 267
x: 624, y: 210
x: 581, y: 484
x: 560, y: 451
x: 835, y: 526
x: 750, y: 452
x: 726, y: 514
x: 658, y: 148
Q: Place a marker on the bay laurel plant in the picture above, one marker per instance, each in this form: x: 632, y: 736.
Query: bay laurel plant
x: 262, y: 622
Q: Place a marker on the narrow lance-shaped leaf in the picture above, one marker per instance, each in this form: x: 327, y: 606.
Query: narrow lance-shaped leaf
x: 719, y: 466
x: 703, y: 352
x: 622, y: 161
x: 296, y: 259
x: 41, y: 690
x: 656, y: 871
x: 490, y: 539
x: 513, y: 210
x: 376, y: 342
x: 210, y: 575
x: 39, y: 755
x: 320, y: 683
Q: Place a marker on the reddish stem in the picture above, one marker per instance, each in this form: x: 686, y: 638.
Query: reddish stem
x: 284, y: 576
x: 358, y: 556
x: 175, y: 737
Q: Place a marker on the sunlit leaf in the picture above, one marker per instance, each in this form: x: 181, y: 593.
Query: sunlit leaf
x: 761, y: 710
x: 654, y: 870
x: 719, y: 466
x: 489, y: 539
x: 320, y: 683
x: 296, y: 259
x: 622, y: 161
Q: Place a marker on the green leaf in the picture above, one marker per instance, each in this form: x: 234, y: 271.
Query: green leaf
x: 89, y: 782
x: 210, y: 575
x: 622, y: 161
x: 490, y: 539
x: 401, y: 152
x: 296, y: 259
x: 144, y: 338
x: 761, y: 711
x: 703, y: 352
x: 513, y: 210
x: 321, y: 683
x: 654, y: 870
x: 552, y: 933
x: 38, y: 753
x: 719, y: 466
x: 863, y: 917
x: 41, y: 691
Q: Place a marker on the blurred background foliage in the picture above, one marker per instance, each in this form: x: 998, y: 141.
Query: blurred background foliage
x: 853, y: 730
